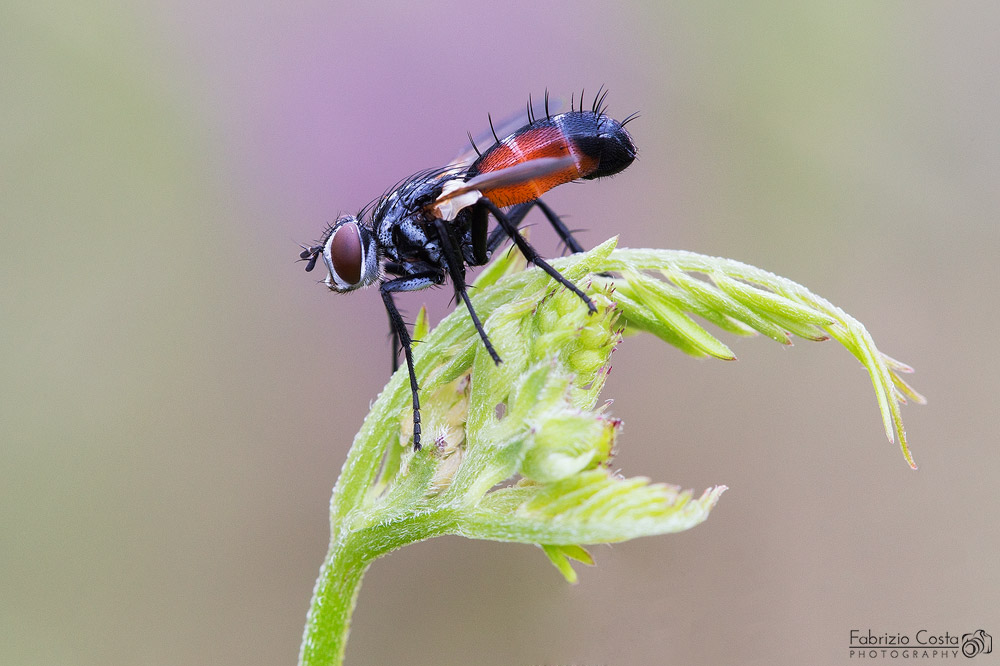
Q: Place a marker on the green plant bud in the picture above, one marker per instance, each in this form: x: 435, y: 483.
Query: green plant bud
x: 546, y: 317
x: 566, y: 303
x: 595, y: 337
x: 527, y: 394
x: 566, y: 444
x: 587, y: 361
x: 554, y: 343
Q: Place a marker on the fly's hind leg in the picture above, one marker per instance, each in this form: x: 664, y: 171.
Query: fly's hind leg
x: 557, y: 224
x: 516, y: 215
x: 531, y: 254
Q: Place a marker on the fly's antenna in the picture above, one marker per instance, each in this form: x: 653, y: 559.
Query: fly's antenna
x: 547, y: 117
x: 491, y: 128
x: 473, y: 142
x: 310, y: 254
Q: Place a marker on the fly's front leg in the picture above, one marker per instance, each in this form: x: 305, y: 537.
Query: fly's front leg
x: 531, y: 254
x: 456, y: 269
x: 395, y: 346
x: 394, y: 268
x: 387, y: 289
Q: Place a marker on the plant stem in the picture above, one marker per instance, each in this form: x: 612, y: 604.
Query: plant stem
x: 351, y: 553
x: 334, y: 598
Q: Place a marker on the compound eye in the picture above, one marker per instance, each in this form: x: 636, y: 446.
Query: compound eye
x: 345, y: 253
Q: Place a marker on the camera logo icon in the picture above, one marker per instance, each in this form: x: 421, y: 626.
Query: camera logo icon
x: 978, y: 642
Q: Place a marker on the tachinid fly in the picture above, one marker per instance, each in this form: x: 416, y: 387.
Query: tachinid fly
x: 435, y: 223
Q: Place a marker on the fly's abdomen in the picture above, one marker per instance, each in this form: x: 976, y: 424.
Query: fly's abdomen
x: 598, y: 144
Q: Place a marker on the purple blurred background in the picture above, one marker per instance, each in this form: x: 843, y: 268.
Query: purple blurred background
x: 177, y: 395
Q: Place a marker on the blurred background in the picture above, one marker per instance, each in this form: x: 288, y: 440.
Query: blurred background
x: 177, y: 395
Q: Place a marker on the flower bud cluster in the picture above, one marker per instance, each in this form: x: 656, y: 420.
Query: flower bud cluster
x: 573, y: 347
x: 581, y: 341
x: 536, y: 409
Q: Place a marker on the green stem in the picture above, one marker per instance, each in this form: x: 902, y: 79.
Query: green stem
x: 351, y: 553
x: 336, y: 593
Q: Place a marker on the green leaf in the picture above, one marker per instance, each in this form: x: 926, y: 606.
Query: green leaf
x: 762, y: 301
x: 712, y: 298
x: 561, y: 555
x: 421, y: 327
x: 658, y: 297
x: 780, y: 297
x: 590, y: 507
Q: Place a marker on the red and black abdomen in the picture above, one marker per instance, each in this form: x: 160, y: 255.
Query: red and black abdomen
x: 599, y: 145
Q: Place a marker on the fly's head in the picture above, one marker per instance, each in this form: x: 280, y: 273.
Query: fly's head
x: 349, y: 252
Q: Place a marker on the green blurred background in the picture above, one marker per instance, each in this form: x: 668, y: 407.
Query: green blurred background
x: 177, y: 396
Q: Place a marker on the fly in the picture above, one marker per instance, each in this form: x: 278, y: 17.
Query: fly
x: 432, y: 225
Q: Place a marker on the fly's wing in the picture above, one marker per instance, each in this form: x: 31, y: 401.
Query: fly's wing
x: 459, y: 194
x: 518, y: 174
x: 515, y: 121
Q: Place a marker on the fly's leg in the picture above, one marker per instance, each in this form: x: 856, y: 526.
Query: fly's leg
x: 400, y: 332
x: 479, y: 224
x: 517, y: 214
x: 395, y: 346
x: 531, y: 254
x: 564, y: 233
x: 483, y: 245
x: 456, y: 269
x: 407, y: 283
x: 394, y: 269
x: 557, y: 224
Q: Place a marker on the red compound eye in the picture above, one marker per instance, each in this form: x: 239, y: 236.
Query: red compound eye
x: 345, y: 253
